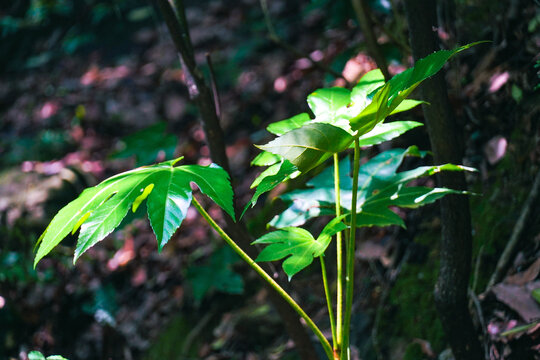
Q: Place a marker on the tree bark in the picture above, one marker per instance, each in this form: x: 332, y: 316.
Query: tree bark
x: 456, y: 243
x: 201, y: 95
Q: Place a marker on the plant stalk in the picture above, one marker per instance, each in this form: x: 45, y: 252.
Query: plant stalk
x: 309, y: 322
x: 328, y: 301
x: 339, y: 260
x: 351, y: 242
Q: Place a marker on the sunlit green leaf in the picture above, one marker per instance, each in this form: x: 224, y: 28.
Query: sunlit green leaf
x: 283, y: 126
x: 168, y: 198
x: 310, y: 145
x: 266, y: 159
x: 397, y: 89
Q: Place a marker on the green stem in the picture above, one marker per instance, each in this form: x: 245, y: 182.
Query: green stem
x: 328, y: 301
x: 339, y: 260
x: 349, y: 277
x: 309, y: 322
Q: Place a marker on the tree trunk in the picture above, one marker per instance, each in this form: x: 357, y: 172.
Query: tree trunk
x: 456, y: 243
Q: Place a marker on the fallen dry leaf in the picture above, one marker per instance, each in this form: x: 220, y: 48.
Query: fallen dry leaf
x: 519, y: 299
x: 526, y: 276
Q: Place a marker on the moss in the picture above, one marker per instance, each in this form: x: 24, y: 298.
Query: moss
x: 414, y: 352
x: 168, y: 346
x: 413, y: 313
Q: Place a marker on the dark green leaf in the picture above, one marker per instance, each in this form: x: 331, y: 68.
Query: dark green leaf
x: 379, y: 186
x: 297, y: 245
x: 147, y: 143
x: 270, y: 178
x: 386, y: 131
x: 215, y: 274
x: 100, y: 209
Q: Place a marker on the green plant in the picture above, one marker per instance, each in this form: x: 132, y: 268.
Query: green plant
x: 344, y: 119
x: 36, y: 355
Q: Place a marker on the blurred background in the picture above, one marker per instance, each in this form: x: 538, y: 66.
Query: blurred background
x: 91, y: 88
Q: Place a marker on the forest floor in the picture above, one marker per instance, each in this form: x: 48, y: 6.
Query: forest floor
x: 68, y: 121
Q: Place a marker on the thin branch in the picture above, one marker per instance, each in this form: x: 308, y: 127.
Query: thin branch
x: 502, y: 264
x: 362, y: 13
x: 213, y: 84
x: 273, y: 36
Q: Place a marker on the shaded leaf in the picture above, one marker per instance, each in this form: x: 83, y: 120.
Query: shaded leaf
x: 109, y: 202
x: 216, y: 273
x: 387, y: 131
x: 297, y: 245
x: 269, y: 179
x: 147, y: 143
x: 379, y: 186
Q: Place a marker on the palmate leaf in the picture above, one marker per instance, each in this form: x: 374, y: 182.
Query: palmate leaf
x: 166, y: 188
x: 379, y: 186
x: 297, y: 245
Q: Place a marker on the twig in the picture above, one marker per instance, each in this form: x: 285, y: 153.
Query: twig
x: 362, y: 14
x: 213, y: 84
x: 195, y: 332
x: 398, y: 42
x: 502, y: 264
x: 477, y: 268
x: 273, y: 36
x: 481, y: 320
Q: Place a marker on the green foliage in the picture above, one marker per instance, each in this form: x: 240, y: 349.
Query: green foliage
x: 309, y: 145
x: 36, y: 355
x: 386, y: 131
x: 341, y: 117
x: 380, y: 186
x: 100, y: 209
x: 298, y: 245
x: 215, y: 274
x: 146, y: 144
